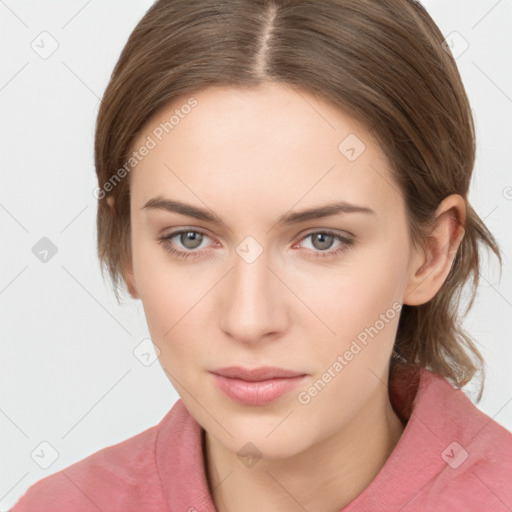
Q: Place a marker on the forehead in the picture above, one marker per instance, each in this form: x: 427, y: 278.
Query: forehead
x: 274, y: 142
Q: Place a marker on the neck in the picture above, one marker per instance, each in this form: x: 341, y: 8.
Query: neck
x: 327, y: 476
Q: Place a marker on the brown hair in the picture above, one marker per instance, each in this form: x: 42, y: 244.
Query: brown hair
x: 382, y: 62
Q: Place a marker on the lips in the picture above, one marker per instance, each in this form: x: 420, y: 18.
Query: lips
x: 256, y: 374
x: 258, y: 386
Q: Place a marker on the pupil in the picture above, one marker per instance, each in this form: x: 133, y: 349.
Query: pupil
x: 322, y: 237
x: 191, y: 236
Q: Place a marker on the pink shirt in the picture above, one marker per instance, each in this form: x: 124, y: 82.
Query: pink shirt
x: 451, y: 457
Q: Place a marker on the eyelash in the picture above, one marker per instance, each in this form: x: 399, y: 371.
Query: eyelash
x: 346, y: 244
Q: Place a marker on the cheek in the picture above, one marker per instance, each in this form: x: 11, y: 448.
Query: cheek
x: 366, y: 286
x: 360, y: 307
x: 170, y: 317
x: 169, y: 310
x: 165, y: 294
x: 177, y: 305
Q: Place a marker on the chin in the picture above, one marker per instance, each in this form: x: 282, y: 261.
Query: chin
x: 282, y: 442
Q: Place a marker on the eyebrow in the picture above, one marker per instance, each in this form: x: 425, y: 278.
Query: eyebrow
x: 334, y: 208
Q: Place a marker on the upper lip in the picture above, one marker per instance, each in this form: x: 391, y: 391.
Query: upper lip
x: 256, y: 374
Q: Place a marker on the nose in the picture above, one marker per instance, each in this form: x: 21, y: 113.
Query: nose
x: 253, y: 301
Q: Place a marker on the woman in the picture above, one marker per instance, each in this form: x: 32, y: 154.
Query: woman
x: 283, y: 184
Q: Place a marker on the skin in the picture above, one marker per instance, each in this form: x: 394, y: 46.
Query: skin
x: 287, y: 308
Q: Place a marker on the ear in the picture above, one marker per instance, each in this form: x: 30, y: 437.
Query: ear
x: 127, y: 270
x: 429, y: 269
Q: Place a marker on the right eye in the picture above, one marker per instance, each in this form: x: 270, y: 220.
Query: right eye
x: 188, y: 238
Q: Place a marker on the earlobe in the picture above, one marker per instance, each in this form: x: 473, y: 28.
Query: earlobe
x: 129, y: 278
x: 128, y: 274
x: 133, y: 292
x: 430, y: 268
x: 110, y: 201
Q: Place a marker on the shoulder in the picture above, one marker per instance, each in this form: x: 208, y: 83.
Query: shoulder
x: 477, y: 455
x: 479, y: 462
x: 451, y: 456
x: 477, y: 473
x: 119, y: 477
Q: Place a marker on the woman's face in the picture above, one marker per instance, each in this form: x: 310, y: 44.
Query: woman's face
x: 252, y: 289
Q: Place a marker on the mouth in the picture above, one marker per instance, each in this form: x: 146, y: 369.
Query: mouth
x: 256, y: 374
x: 256, y: 387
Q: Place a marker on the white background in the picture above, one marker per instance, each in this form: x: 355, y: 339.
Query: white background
x: 68, y: 373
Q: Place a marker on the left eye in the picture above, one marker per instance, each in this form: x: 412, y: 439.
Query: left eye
x: 322, y: 241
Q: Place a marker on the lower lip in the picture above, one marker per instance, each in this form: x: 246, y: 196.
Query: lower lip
x: 257, y: 393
